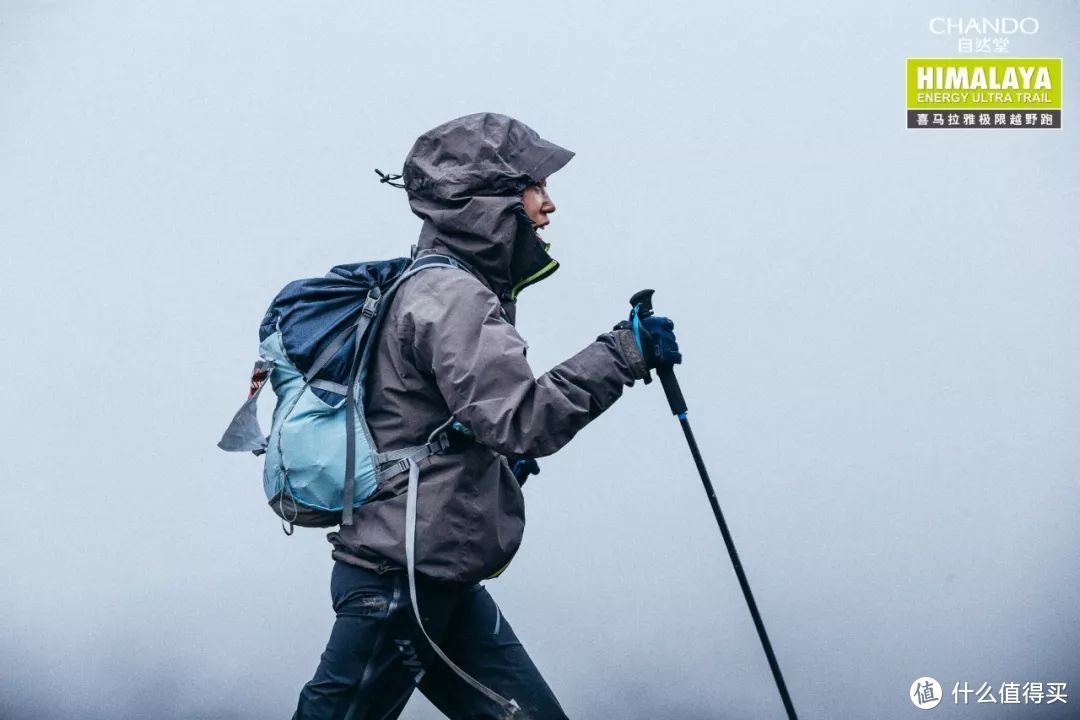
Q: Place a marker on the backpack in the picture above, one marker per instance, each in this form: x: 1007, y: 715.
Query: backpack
x: 316, y: 341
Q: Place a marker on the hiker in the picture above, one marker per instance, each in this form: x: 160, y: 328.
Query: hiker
x: 448, y: 348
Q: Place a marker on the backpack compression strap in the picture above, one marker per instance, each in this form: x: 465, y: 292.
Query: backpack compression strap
x: 510, y: 707
x: 371, y: 305
x: 408, y: 459
x: 370, y: 321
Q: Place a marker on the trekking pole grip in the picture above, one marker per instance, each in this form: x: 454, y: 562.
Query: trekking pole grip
x: 672, y: 390
x: 641, y: 301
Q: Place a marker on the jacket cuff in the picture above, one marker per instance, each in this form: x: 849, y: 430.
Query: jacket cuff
x: 628, y: 346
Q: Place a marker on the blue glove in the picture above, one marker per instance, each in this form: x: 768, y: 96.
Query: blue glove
x: 655, y: 337
x: 524, y: 467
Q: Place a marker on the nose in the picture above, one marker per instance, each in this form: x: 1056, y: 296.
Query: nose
x: 548, y: 206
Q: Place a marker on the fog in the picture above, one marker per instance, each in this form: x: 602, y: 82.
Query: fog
x: 880, y: 331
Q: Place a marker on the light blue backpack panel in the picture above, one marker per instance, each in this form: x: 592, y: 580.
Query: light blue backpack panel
x: 316, y: 341
x: 305, y: 447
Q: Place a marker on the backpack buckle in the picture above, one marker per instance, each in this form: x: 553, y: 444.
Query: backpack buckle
x: 371, y: 303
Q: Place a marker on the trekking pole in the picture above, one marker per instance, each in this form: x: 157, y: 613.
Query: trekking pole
x: 641, y: 302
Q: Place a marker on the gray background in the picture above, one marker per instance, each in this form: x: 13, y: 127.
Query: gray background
x: 880, y: 331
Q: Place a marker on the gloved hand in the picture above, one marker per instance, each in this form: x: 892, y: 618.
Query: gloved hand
x: 655, y: 338
x: 523, y: 467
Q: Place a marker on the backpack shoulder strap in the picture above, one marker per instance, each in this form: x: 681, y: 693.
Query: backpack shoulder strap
x: 384, y: 301
x: 432, y: 260
x: 372, y: 322
x: 407, y: 459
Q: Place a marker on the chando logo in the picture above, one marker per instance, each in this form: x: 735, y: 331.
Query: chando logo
x: 925, y: 693
x: 984, y: 26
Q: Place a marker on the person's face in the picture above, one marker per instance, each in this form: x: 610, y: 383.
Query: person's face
x: 538, y: 204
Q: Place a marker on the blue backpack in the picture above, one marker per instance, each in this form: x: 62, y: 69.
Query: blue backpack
x: 316, y: 341
x: 315, y: 344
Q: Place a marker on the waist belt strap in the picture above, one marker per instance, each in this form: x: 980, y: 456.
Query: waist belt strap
x: 510, y: 707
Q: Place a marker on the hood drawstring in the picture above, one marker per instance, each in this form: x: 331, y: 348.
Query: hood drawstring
x: 389, y: 179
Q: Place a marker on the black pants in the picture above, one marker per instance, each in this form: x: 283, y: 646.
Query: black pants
x: 377, y: 655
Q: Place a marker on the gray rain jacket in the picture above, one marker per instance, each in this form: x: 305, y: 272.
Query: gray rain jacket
x: 448, y: 347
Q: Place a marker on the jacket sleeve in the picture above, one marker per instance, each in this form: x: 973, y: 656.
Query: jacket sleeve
x: 478, y: 362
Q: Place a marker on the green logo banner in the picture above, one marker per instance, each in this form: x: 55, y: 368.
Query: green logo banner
x: 984, y: 84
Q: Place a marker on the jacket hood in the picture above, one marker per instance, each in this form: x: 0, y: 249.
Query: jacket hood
x: 465, y: 180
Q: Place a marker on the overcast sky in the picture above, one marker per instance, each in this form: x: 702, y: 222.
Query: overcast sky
x: 880, y: 328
